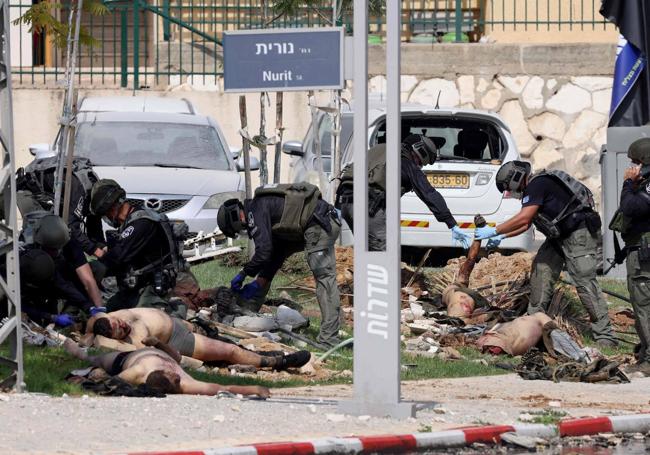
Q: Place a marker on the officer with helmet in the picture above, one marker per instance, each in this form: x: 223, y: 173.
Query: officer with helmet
x: 72, y: 279
x: 145, y: 256
x: 563, y: 210
x: 283, y: 219
x: 633, y: 221
x: 417, y: 151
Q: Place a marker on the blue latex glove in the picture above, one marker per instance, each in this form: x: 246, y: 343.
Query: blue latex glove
x: 96, y: 310
x: 486, y: 232
x: 459, y: 237
x: 63, y: 320
x: 236, y: 283
x: 251, y: 290
x: 494, y: 242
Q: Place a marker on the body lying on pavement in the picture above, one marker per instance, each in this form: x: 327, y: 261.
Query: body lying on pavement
x: 159, y: 370
x: 136, y: 324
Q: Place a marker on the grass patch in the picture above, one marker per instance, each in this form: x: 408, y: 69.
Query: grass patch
x: 617, y: 286
x: 46, y: 368
x: 547, y: 416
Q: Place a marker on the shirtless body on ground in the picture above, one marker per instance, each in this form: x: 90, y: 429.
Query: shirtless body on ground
x: 158, y: 370
x: 514, y: 337
x: 136, y: 324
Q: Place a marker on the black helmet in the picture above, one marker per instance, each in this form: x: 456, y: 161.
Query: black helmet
x: 51, y: 232
x: 36, y: 267
x: 511, y: 176
x: 640, y: 150
x: 423, y: 147
x: 104, y: 195
x: 228, y: 218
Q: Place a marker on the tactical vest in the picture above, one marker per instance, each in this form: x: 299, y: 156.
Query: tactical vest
x: 175, y: 233
x: 35, y: 172
x: 376, y: 169
x: 300, y: 201
x: 623, y: 224
x: 581, y: 199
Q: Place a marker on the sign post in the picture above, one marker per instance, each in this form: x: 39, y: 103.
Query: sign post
x: 377, y: 273
x: 283, y: 60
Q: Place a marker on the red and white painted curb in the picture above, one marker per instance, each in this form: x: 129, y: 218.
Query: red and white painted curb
x: 637, y: 423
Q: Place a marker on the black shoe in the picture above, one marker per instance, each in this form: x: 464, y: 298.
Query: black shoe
x: 295, y: 360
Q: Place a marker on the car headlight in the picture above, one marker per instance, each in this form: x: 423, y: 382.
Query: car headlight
x: 216, y: 200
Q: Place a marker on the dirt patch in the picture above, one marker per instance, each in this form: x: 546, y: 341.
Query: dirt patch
x: 495, y: 268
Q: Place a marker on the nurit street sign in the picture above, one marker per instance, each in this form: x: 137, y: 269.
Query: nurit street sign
x: 283, y: 59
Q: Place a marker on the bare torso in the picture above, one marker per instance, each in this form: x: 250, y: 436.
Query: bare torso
x: 146, y: 322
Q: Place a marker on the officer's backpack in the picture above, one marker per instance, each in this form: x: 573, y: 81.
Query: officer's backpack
x: 32, y: 177
x: 582, y: 199
x: 300, y: 201
x: 376, y: 169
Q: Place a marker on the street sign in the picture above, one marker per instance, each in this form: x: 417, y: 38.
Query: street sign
x: 283, y: 59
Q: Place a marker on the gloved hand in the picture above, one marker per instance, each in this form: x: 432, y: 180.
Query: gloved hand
x: 236, y: 283
x: 63, y: 320
x: 494, y: 242
x: 251, y: 289
x: 96, y: 310
x: 458, y: 236
x: 486, y: 232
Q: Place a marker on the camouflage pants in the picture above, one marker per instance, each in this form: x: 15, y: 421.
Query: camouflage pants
x: 321, y: 258
x: 638, y: 284
x: 577, y: 255
x: 376, y: 227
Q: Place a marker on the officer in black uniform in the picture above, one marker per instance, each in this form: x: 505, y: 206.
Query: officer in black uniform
x: 144, y: 257
x: 634, y: 224
x: 417, y: 151
x: 563, y: 210
x: 35, y: 185
x: 282, y: 220
x: 72, y: 281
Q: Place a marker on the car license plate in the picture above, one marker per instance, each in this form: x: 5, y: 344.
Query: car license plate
x: 448, y: 180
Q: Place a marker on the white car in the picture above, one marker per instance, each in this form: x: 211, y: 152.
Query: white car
x: 473, y: 145
x: 165, y: 155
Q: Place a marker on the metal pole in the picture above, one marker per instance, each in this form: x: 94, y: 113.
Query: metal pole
x: 277, y: 162
x: 136, y: 44
x: 246, y: 149
x: 459, y: 20
x: 264, y: 168
x: 11, y: 328
x: 376, y: 284
x: 124, y: 49
x: 68, y: 115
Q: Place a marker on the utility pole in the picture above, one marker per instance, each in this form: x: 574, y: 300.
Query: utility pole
x: 10, y: 327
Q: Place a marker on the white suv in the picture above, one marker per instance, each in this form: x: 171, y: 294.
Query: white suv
x: 473, y: 145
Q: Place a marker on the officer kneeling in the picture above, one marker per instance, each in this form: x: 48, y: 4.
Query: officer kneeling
x: 563, y: 210
x: 284, y: 219
x: 633, y: 221
x: 145, y: 256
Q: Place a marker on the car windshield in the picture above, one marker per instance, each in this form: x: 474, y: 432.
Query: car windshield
x: 457, y: 139
x: 151, y: 144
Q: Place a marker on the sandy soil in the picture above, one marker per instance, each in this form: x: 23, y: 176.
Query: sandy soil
x: 40, y: 424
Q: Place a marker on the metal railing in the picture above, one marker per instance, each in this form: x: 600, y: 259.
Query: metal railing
x: 160, y: 42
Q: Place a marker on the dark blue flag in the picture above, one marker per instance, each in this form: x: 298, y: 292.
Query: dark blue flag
x: 631, y: 89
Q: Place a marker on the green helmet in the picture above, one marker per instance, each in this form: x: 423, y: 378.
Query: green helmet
x: 423, y: 147
x: 36, y: 267
x: 640, y: 150
x: 104, y: 195
x: 511, y: 176
x: 228, y: 218
x: 51, y: 232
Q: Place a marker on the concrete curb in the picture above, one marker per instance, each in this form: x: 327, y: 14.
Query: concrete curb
x: 637, y: 423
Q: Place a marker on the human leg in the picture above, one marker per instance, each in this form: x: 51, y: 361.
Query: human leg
x: 377, y: 231
x: 638, y: 284
x: 581, y: 263
x: 544, y: 274
x: 321, y: 258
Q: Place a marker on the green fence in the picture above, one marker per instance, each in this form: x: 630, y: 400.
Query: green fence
x: 144, y: 43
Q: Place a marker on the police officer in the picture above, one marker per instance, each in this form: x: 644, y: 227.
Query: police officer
x: 144, y: 257
x: 562, y: 209
x: 282, y: 220
x: 73, y: 279
x: 35, y: 185
x: 634, y: 224
x: 417, y: 151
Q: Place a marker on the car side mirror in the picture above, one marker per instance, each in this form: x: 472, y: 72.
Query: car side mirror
x: 40, y: 149
x: 235, y: 152
x: 293, y: 148
x: 255, y: 164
